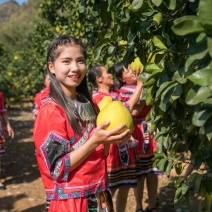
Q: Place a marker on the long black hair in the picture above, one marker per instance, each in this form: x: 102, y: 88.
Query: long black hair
x: 94, y: 72
x: 56, y: 91
x: 118, y: 70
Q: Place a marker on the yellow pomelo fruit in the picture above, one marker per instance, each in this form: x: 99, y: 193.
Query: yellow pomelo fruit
x: 122, y: 42
x: 133, y: 66
x: 117, y: 114
x: 104, y: 102
x: 57, y: 29
x: 136, y: 65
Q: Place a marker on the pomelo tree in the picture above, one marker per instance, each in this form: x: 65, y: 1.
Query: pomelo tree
x: 20, y: 79
x: 173, y: 40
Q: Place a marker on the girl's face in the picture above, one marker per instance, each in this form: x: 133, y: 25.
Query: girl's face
x: 106, y: 78
x: 69, y: 68
x: 128, y: 76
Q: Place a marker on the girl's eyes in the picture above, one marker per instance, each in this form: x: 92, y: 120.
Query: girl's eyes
x: 69, y: 61
x: 81, y: 61
x: 66, y: 61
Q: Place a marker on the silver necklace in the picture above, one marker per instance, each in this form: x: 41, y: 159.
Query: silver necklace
x: 84, y: 109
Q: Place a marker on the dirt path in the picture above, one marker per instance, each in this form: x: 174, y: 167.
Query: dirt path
x: 24, y: 189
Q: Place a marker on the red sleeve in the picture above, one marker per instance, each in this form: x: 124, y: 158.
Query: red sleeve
x: 2, y: 105
x: 51, y: 134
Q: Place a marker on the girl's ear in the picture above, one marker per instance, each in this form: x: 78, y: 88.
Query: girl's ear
x: 51, y: 67
x: 99, y: 79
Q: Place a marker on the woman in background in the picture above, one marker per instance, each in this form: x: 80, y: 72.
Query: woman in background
x: 4, y: 121
x: 41, y: 94
x: 120, y: 161
x: 126, y: 83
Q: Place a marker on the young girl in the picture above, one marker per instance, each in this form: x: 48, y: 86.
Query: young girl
x: 69, y: 149
x: 4, y: 120
x: 126, y: 82
x: 120, y: 161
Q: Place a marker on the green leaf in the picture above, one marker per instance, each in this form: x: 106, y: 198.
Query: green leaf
x: 208, y: 131
x: 177, y: 77
x: 160, y: 145
x: 97, y: 52
x: 187, y: 25
x: 198, y: 161
x: 201, y: 116
x: 202, y: 77
x: 158, y: 42
x: 188, y: 63
x: 172, y: 4
x: 178, y: 168
x: 137, y: 4
x: 111, y: 49
x: 151, y: 80
x: 197, y: 95
x: 149, y: 94
x: 159, y: 155
x: 109, y: 35
x: 162, y: 87
x: 168, y: 168
x: 102, y: 42
x: 162, y: 139
x: 178, y: 181
x: 209, y: 41
x: 150, y: 68
x: 205, y: 8
x: 178, y: 90
x: 178, y: 195
x: 199, y: 50
x: 166, y: 95
x: 157, y: 2
x: 157, y: 18
x: 161, y: 164
x: 197, y: 182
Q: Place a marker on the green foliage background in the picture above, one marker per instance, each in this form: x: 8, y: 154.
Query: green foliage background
x: 172, y: 38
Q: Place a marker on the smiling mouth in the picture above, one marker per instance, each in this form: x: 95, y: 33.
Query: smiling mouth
x: 74, y: 76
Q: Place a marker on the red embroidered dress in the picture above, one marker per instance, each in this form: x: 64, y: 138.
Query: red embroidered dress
x: 145, y: 149
x: 38, y: 98
x: 54, y: 140
x: 120, y: 161
x: 2, y: 135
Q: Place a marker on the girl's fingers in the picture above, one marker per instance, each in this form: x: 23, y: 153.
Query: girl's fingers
x: 120, y: 138
x: 117, y: 129
x: 103, y: 124
x: 113, y: 131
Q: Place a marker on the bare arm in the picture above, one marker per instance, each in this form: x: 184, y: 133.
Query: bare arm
x: 9, y: 128
x: 137, y: 95
x: 138, y: 108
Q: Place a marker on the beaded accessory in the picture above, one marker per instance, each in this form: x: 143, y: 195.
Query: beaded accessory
x: 84, y: 109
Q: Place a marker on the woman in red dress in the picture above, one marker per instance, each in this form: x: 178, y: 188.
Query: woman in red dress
x: 70, y: 150
x: 126, y: 82
x: 120, y: 161
x: 4, y: 120
x: 41, y: 94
